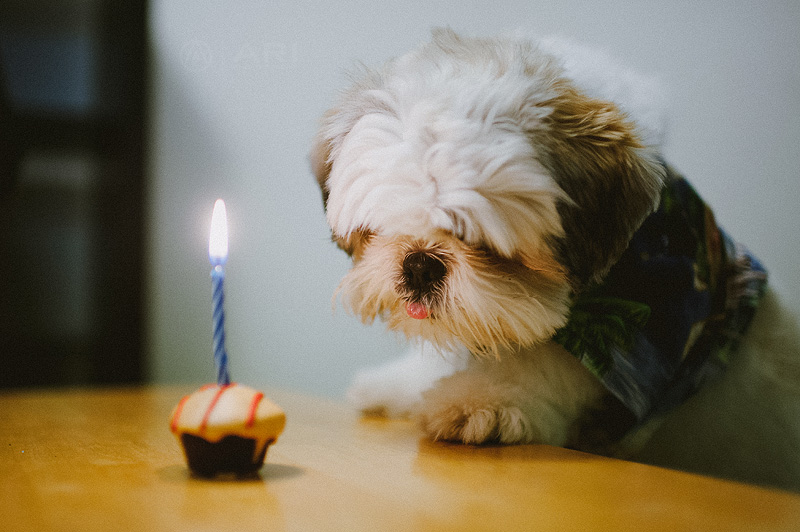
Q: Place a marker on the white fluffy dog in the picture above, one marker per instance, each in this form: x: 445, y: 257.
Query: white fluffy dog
x: 506, y: 205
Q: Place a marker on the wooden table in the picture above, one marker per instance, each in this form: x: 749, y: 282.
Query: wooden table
x: 105, y: 460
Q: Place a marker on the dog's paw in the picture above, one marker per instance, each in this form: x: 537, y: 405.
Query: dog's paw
x: 477, y: 424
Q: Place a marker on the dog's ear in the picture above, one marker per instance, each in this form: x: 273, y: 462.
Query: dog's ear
x: 321, y: 162
x: 337, y: 122
x: 612, y: 181
x: 320, y: 159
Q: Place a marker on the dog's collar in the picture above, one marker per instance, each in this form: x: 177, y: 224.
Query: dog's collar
x: 671, y: 311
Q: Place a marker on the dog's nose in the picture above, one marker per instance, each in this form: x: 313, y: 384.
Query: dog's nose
x: 422, y: 271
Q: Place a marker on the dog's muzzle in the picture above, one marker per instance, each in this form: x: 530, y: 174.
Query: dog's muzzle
x: 423, y: 274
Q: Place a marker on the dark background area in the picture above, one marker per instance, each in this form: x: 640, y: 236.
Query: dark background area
x: 72, y: 123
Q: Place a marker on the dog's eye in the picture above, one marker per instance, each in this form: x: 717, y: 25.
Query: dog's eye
x: 489, y: 255
x: 354, y: 243
x: 458, y: 227
x: 485, y: 251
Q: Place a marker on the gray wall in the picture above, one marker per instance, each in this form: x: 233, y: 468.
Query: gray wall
x: 238, y: 88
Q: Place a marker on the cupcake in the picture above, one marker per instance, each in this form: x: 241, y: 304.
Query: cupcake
x: 226, y: 429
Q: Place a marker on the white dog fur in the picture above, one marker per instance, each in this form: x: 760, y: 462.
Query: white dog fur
x: 462, y: 150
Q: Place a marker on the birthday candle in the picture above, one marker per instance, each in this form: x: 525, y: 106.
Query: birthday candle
x: 218, y: 255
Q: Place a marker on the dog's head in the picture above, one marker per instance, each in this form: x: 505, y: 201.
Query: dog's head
x: 477, y: 189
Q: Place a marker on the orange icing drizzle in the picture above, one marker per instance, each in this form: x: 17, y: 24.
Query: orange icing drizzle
x: 211, y: 406
x: 251, y: 416
x: 174, y: 425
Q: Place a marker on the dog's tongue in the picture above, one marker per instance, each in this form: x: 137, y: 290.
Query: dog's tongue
x: 418, y: 311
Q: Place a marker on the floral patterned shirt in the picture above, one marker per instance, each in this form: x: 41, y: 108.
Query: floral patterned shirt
x: 671, y: 311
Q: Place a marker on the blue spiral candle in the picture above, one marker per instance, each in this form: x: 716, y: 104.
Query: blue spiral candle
x: 218, y: 255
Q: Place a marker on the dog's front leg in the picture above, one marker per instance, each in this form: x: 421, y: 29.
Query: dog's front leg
x: 395, y: 389
x: 537, y: 395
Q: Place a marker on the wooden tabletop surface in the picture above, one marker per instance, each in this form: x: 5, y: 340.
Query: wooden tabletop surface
x: 106, y: 460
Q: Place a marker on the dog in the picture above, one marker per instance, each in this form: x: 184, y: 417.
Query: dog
x: 508, y: 209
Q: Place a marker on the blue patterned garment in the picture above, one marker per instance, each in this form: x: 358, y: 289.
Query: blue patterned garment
x: 670, y: 313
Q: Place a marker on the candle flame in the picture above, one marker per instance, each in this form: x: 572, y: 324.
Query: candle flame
x: 218, y: 241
